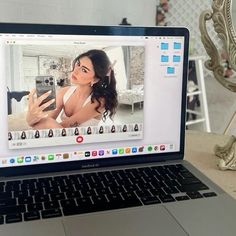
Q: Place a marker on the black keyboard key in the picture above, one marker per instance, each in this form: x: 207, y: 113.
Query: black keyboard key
x: 21, y: 193
x: 51, y: 205
x: 1, y: 219
x: 35, y: 207
x: 42, y: 198
x: 182, y: 198
x: 32, y: 215
x: 25, y: 200
x: 84, y: 205
x: 74, y: 194
x: 194, y: 195
x: 166, y: 198
x: 7, y: 202
x: 13, y: 218
x: 12, y: 209
x: 51, y: 213
x: 4, y: 195
x: 84, y: 202
x: 150, y: 200
x: 209, y: 194
x: 143, y: 193
x: 99, y: 203
x: 130, y: 200
x: 57, y: 196
x: 69, y: 203
x: 193, y: 187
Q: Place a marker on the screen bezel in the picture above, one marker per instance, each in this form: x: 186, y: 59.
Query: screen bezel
x: 13, y: 28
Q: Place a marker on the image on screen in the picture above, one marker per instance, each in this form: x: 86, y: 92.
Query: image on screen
x: 45, y: 98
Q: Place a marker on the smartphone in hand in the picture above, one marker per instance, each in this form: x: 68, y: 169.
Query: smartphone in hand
x: 43, y: 85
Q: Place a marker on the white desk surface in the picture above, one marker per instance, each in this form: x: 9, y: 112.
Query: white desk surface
x: 199, y: 151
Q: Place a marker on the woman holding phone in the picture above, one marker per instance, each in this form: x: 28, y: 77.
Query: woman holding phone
x: 92, y: 96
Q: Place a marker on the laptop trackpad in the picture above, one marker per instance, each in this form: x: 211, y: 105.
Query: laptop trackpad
x: 149, y: 221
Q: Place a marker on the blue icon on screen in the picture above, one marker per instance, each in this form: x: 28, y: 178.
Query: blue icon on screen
x: 134, y: 149
x: 12, y: 161
x: 164, y: 58
x: 114, y: 151
x: 164, y: 46
x: 177, y: 45
x: 27, y: 159
x: 176, y: 58
x: 170, y: 70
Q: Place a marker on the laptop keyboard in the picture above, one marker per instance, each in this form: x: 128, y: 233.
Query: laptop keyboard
x: 42, y: 198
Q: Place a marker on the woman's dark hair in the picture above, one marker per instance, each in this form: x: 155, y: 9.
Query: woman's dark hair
x: 105, y: 88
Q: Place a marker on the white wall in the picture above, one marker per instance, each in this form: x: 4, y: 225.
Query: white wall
x: 99, y: 12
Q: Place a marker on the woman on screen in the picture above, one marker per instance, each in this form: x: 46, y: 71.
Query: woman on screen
x: 91, y: 97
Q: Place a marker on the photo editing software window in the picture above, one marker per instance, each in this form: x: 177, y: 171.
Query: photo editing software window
x: 134, y: 108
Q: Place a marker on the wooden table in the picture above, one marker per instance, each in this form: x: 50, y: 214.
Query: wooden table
x: 199, y: 151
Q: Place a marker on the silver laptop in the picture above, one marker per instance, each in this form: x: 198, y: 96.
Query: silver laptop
x: 93, y: 127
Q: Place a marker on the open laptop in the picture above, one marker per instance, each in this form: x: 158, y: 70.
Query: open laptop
x: 123, y: 175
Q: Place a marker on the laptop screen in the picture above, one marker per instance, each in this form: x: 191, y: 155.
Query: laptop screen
x: 84, y: 96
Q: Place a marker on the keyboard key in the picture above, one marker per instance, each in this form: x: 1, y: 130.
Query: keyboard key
x: 51, y: 205
x: 13, y: 218
x: 70, y: 203
x: 35, y: 207
x: 209, y: 194
x: 25, y: 200
x: 1, y: 219
x: 42, y: 198
x: 12, y: 209
x: 51, y: 213
x: 32, y: 215
x: 182, y: 198
x: 7, y: 202
x: 57, y: 196
x: 150, y: 200
x: 166, y: 198
x: 194, y: 195
x: 193, y: 187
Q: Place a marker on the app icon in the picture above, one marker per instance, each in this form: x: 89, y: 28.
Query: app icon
x: 58, y: 155
x: 114, y: 151
x: 94, y: 153
x: 134, y: 150
x: 27, y: 159
x: 87, y: 154
x: 4, y: 162
x: 12, y: 160
x: 149, y: 148
x: 65, y: 155
x: 20, y: 159
x: 43, y: 158
x: 35, y: 158
x: 140, y: 149
x: 101, y: 152
x: 156, y: 148
x: 50, y: 157
x: 121, y: 150
x: 162, y: 147
x: 127, y: 150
